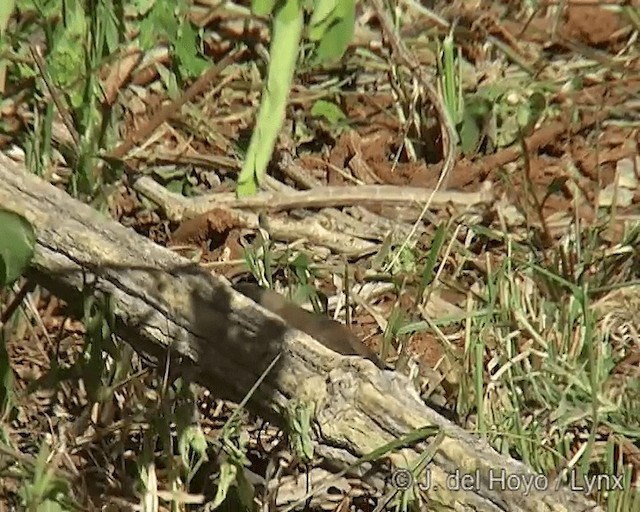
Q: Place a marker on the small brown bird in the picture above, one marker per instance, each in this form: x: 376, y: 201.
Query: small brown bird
x: 327, y: 331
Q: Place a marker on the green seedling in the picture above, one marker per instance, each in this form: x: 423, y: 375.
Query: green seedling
x: 330, y: 29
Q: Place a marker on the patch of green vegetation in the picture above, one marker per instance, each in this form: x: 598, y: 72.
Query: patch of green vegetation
x: 78, y: 42
x: 329, y: 29
x: 495, y: 114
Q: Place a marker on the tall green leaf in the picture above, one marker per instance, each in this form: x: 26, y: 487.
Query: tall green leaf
x: 17, y: 243
x: 288, y: 21
x: 331, y: 27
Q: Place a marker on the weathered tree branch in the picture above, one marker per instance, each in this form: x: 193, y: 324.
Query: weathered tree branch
x: 165, y: 305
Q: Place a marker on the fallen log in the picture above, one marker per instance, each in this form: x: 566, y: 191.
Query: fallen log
x: 167, y: 307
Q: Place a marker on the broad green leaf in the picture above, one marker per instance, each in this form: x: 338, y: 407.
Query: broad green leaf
x: 328, y: 110
x: 160, y: 22
x: 470, y: 134
x: 324, y: 13
x: 333, y: 30
x: 17, y: 243
x: 262, y: 7
x: 186, y: 48
x: 301, y: 264
x: 523, y: 115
